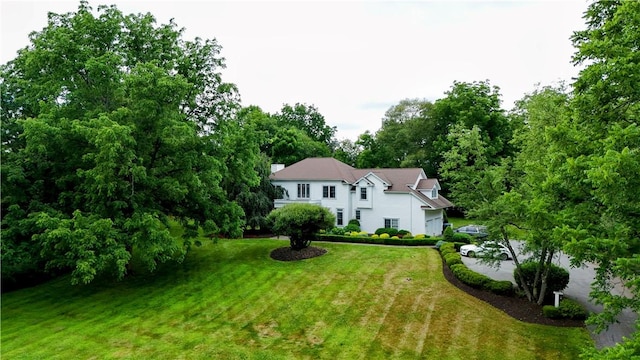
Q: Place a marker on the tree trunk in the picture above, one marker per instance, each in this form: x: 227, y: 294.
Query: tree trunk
x: 545, y: 276
x: 524, y: 286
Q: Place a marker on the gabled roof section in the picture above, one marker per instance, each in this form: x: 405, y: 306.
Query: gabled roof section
x: 316, y: 169
x: 398, y: 179
x: 427, y: 184
x: 439, y: 203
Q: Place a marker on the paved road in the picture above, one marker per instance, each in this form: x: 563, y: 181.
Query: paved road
x: 578, y: 289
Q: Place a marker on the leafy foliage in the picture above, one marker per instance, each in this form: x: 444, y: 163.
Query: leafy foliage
x: 301, y: 222
x: 111, y: 124
x: 557, y: 280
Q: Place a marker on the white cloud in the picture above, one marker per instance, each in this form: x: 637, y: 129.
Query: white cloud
x: 355, y: 59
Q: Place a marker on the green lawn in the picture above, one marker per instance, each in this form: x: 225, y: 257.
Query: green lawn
x: 230, y: 300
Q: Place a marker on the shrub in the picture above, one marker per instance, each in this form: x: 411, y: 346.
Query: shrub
x: 390, y: 231
x: 375, y: 236
x: 354, y: 222
x: 447, y: 248
x: 463, y: 238
x: 500, y: 287
x: 551, y: 312
x: 452, y: 258
x: 448, y: 234
x: 337, y: 231
x: 352, y: 228
x: 421, y: 236
x: 384, y: 236
x: 571, y: 309
x: 404, y: 232
x: 408, y: 237
x: 395, y: 237
x: 300, y: 222
x: 469, y: 277
x: 558, y: 277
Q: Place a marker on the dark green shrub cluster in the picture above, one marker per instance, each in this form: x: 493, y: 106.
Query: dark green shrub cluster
x: 501, y: 287
x: 470, y: 277
x: 452, y: 258
x: 337, y: 231
x: 390, y: 231
x: 558, y: 277
x: 462, y: 238
x: 403, y: 232
x: 571, y: 309
x: 354, y: 222
x: 568, y: 309
x: 448, y: 234
x: 447, y: 248
x: 352, y: 227
x: 551, y: 312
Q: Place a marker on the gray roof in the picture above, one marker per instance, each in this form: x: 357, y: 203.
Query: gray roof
x: 399, y: 179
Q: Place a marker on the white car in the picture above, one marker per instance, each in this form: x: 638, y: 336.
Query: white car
x: 488, y: 248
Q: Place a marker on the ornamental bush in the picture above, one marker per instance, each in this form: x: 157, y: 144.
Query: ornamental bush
x: 352, y: 227
x: 300, y: 222
x: 390, y: 231
x: 571, y: 309
x: 469, y: 276
x: 500, y: 287
x: 558, y: 277
x: 384, y: 236
x: 448, y: 234
x: 462, y: 238
x: 452, y: 258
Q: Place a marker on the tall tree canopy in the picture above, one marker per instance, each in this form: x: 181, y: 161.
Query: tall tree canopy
x: 599, y: 155
x: 111, y: 124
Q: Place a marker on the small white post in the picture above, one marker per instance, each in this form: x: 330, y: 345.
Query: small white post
x: 558, y: 295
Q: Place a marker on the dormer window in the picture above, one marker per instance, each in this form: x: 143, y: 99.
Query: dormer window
x: 363, y: 193
x: 434, y: 192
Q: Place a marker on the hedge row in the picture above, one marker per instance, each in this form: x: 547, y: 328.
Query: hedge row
x: 379, y: 240
x: 470, y: 277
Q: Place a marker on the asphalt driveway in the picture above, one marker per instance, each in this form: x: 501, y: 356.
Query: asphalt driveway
x: 578, y: 289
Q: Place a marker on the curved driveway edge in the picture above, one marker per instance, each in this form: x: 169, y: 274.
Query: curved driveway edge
x: 580, y: 280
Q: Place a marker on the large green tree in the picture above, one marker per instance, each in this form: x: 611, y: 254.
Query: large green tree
x: 111, y: 125
x: 598, y: 150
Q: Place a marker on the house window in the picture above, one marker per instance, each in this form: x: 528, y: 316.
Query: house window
x: 358, y: 215
x: 304, y: 191
x: 391, y: 223
x: 339, y: 217
x: 329, y: 192
x: 363, y: 193
x: 434, y: 193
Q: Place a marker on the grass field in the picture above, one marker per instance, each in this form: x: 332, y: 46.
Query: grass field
x: 230, y: 300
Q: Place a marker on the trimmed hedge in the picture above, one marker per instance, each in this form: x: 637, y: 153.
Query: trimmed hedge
x: 390, y: 231
x: 501, y: 287
x: 568, y: 309
x: 447, y: 248
x: 462, y: 238
x: 374, y: 239
x: 571, y: 309
x: 470, y: 277
x: 452, y: 258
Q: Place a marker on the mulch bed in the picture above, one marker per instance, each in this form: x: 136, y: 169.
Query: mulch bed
x: 288, y: 254
x: 517, y: 307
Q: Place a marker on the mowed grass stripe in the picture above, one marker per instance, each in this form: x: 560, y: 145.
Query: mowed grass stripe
x: 231, y: 300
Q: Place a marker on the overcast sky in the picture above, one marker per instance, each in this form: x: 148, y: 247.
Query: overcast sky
x: 354, y: 60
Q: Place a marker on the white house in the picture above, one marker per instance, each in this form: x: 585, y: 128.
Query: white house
x: 394, y: 198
